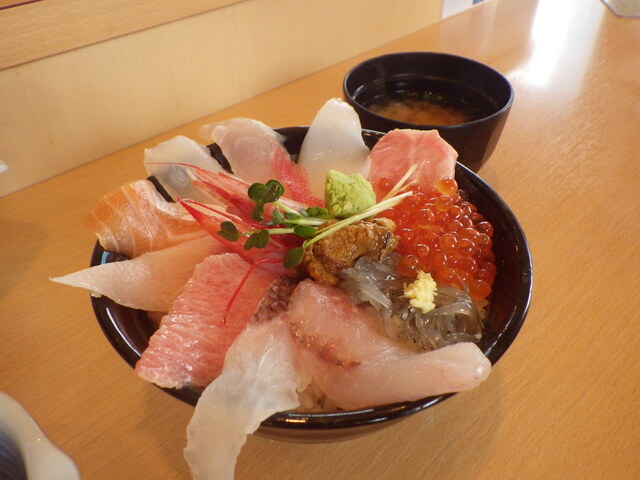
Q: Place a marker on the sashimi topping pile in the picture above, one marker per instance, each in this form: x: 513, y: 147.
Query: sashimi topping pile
x: 341, y: 279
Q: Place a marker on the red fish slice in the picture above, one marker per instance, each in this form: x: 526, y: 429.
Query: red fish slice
x: 188, y: 348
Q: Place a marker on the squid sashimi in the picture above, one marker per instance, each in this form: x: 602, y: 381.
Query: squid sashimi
x: 134, y: 219
x: 261, y: 376
x: 357, y: 366
x: 166, y: 162
x: 151, y: 281
x: 189, y: 346
x: 399, y: 150
x: 333, y: 142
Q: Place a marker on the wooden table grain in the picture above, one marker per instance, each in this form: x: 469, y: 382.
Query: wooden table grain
x: 561, y: 404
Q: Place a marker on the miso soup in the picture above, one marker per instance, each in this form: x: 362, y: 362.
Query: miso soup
x: 426, y: 108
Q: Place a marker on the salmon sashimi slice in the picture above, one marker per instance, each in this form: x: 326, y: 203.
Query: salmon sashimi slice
x: 399, y: 150
x: 188, y: 348
x: 151, y: 281
x: 357, y: 366
x: 134, y: 219
x: 261, y: 376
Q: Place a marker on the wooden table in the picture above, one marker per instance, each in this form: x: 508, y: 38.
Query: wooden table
x: 561, y: 404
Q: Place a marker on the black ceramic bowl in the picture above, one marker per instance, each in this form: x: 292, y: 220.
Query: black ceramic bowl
x: 129, y: 330
x: 465, y: 81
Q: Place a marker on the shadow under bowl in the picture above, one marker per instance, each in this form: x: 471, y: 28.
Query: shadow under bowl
x: 129, y: 330
x: 471, y: 84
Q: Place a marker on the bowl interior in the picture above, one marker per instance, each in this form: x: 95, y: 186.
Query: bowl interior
x: 129, y: 330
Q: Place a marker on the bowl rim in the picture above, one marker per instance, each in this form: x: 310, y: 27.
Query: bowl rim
x: 349, y: 96
x: 341, y: 420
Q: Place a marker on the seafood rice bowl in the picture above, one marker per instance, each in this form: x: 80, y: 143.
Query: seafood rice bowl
x: 357, y: 278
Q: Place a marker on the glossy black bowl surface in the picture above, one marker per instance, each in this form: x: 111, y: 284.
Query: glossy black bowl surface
x: 458, y: 77
x: 129, y: 330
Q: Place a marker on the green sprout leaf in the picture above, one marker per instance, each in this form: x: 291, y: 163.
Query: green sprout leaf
x: 256, y: 192
x: 318, y: 212
x: 294, y: 257
x: 304, y: 231
x: 228, y: 231
x: 273, y: 191
x: 257, y: 213
x: 277, y: 217
x: 257, y: 239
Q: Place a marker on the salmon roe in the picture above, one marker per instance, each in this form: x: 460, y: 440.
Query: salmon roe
x: 444, y: 234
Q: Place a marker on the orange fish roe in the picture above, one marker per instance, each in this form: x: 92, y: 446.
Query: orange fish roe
x: 443, y: 234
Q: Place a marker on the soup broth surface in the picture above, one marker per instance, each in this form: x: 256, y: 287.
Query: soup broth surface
x: 426, y: 108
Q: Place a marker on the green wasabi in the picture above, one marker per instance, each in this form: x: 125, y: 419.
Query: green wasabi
x: 347, y: 195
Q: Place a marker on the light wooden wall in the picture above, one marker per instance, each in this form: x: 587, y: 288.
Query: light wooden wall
x: 66, y: 109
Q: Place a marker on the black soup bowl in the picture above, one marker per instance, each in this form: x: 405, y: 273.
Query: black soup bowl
x: 450, y: 81
x: 129, y: 330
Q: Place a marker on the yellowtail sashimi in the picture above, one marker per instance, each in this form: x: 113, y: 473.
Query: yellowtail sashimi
x: 151, y: 281
x: 134, y: 219
x: 188, y: 348
x: 346, y: 353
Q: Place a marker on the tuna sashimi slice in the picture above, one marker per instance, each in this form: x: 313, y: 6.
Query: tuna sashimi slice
x: 399, y: 149
x: 357, y: 366
x: 261, y: 376
x: 151, y: 281
x: 189, y: 346
x: 134, y: 219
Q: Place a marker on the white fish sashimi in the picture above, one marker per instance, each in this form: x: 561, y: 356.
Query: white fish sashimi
x: 334, y: 142
x: 161, y: 162
x: 261, y: 376
x: 151, y: 281
x: 247, y: 144
x: 357, y: 366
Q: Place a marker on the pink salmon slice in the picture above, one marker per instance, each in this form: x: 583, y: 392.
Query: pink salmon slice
x: 189, y: 347
x: 134, y: 219
x: 399, y: 149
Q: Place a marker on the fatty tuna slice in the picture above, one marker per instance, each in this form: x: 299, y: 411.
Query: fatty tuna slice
x: 400, y: 149
x: 149, y: 282
x: 357, y: 366
x: 135, y: 219
x: 188, y: 348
